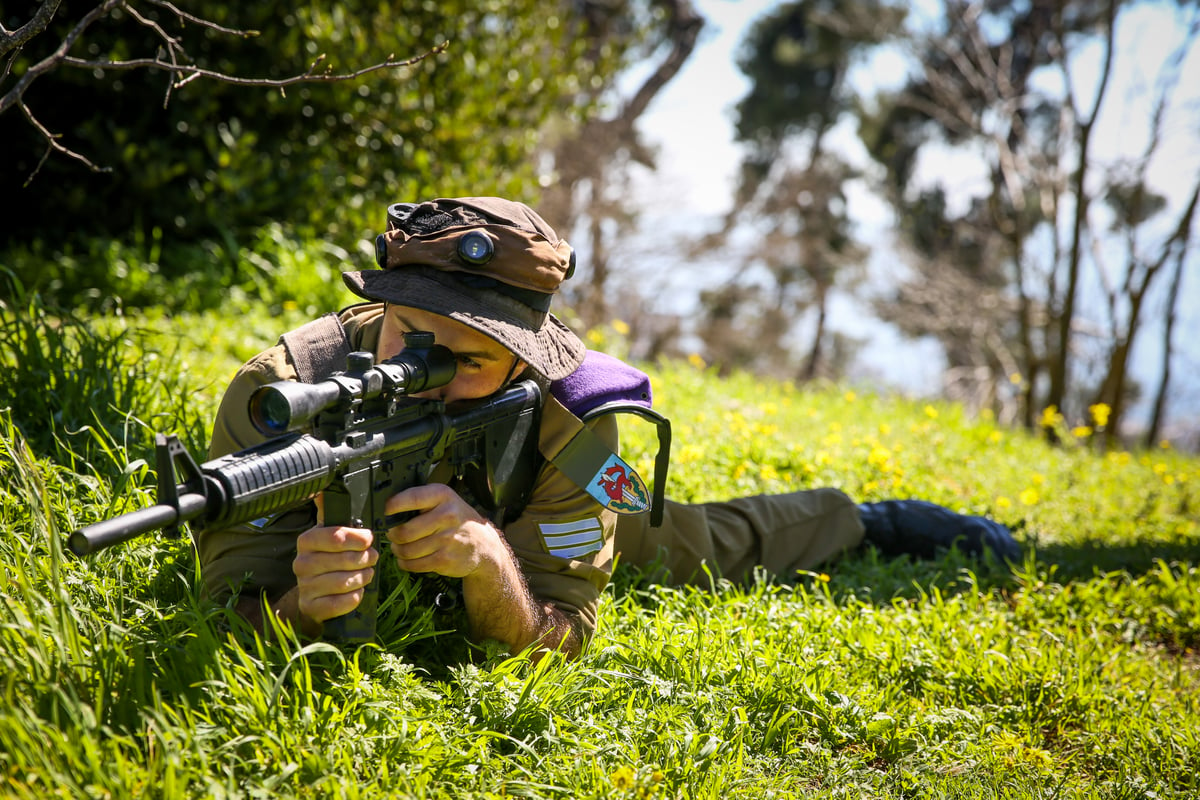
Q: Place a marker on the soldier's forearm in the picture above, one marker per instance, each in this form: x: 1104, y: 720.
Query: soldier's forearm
x: 499, y: 606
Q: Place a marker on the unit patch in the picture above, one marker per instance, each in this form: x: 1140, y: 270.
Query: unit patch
x: 572, y: 539
x: 600, y: 472
x: 618, y: 488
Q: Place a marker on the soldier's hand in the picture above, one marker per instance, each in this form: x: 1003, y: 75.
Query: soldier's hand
x: 446, y: 535
x: 333, y: 565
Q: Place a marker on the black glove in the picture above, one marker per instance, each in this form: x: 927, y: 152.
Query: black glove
x: 921, y: 529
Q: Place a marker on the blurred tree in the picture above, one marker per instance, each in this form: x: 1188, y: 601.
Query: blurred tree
x: 1021, y: 87
x: 791, y: 198
x: 589, y: 166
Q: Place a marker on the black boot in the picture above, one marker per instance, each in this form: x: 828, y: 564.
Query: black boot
x: 921, y: 529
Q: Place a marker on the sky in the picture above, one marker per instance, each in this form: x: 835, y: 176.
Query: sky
x: 691, y: 124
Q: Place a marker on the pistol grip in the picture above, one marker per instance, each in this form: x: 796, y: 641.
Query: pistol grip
x: 358, y: 626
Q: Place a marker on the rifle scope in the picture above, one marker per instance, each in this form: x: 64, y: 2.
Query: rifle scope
x: 285, y: 406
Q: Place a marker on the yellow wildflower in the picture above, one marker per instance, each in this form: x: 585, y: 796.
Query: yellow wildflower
x: 1081, y: 431
x: 696, y: 361
x: 622, y: 779
x: 1029, y: 497
x: 931, y: 412
x: 1100, y: 412
x: 621, y: 326
x: 1050, y: 417
x: 879, y: 457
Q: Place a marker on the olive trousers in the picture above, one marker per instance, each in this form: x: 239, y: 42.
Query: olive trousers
x: 779, y: 533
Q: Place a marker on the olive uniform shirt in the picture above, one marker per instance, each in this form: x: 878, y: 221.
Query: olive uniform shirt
x: 563, y: 540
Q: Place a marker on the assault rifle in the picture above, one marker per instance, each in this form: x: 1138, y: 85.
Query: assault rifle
x: 366, y: 440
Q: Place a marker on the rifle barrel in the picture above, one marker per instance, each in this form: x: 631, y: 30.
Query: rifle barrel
x: 108, y: 532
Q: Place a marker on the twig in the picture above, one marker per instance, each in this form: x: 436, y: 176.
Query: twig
x: 191, y: 72
x: 53, y: 145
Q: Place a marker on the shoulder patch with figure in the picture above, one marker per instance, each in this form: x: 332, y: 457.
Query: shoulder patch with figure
x: 605, y: 385
x: 572, y: 539
x: 618, y: 488
x: 603, y: 474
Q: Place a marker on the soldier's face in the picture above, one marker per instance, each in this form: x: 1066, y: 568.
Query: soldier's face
x: 483, y: 364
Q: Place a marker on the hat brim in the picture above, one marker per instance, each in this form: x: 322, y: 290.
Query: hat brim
x: 540, y: 340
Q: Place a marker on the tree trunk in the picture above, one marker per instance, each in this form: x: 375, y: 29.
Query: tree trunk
x: 1154, y: 431
x: 1060, y: 358
x: 813, y: 362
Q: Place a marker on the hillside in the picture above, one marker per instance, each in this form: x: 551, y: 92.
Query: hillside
x: 870, y: 678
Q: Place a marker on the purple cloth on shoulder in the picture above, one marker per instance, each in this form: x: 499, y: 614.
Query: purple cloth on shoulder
x: 601, y: 379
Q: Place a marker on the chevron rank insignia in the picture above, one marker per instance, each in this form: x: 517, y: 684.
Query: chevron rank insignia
x: 572, y: 539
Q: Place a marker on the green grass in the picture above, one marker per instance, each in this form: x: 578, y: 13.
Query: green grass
x: 1076, y: 676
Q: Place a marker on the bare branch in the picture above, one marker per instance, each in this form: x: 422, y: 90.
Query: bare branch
x: 191, y: 72
x: 172, y: 45
x: 50, y: 62
x: 201, y: 22
x: 52, y: 145
x: 15, y: 40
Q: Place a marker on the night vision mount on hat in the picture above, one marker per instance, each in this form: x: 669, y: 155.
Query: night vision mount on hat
x: 489, y: 263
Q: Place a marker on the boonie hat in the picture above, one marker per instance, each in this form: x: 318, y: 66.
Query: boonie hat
x: 491, y: 264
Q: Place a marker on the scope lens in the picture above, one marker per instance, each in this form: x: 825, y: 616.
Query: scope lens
x: 272, y: 412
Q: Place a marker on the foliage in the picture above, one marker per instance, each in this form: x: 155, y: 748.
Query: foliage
x: 888, y: 679
x: 591, y: 197
x: 221, y: 160
x: 276, y: 269
x: 797, y: 58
